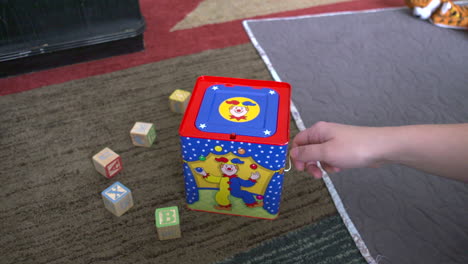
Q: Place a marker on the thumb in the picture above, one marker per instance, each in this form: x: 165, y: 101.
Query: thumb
x: 308, y: 153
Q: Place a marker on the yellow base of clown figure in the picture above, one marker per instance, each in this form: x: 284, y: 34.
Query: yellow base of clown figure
x: 234, y: 140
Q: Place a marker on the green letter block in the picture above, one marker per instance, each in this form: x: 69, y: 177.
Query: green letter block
x: 167, y: 222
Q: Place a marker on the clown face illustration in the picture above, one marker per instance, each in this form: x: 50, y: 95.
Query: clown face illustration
x: 238, y: 111
x: 229, y: 169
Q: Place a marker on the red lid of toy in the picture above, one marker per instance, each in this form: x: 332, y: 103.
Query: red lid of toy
x: 238, y: 109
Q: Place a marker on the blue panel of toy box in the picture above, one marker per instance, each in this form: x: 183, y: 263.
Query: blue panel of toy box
x: 242, y: 196
x: 240, y: 110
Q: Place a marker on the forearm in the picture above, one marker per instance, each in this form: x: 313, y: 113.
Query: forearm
x: 437, y: 149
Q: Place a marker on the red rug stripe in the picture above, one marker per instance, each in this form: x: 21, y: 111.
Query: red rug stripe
x: 161, y: 44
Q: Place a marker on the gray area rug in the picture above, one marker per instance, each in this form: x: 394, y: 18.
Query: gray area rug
x: 381, y: 68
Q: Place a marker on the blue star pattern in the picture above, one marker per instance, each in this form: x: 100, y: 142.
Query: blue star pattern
x: 209, y: 118
x: 191, y: 189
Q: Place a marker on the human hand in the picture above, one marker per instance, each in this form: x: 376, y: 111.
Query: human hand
x: 337, y: 147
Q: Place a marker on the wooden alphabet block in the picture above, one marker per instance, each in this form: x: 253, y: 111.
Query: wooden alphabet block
x: 117, y: 198
x: 143, y: 134
x: 167, y: 222
x: 107, y: 162
x: 179, y: 100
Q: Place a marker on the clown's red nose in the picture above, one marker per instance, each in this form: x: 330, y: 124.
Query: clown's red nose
x: 238, y: 110
x: 229, y: 169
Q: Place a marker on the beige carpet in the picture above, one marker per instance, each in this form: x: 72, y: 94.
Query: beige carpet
x: 50, y: 205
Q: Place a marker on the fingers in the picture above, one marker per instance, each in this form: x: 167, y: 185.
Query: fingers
x: 308, y: 153
x: 317, y: 133
x: 306, y: 157
x: 329, y: 168
x: 299, y: 165
x: 309, y: 146
x: 314, y: 170
x: 302, y: 138
x: 303, y: 155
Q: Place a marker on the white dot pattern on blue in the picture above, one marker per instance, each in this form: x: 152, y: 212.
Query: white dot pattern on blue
x: 271, y: 200
x: 267, y: 159
x: 191, y: 189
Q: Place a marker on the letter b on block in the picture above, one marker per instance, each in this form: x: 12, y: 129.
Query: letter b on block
x: 167, y: 222
x: 168, y: 217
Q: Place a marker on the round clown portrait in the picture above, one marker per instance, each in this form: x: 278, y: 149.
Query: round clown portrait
x: 239, y: 109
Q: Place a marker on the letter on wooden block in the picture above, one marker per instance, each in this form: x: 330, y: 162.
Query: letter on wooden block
x: 107, y: 162
x: 167, y: 222
x: 143, y: 134
x: 179, y: 100
x: 117, y: 198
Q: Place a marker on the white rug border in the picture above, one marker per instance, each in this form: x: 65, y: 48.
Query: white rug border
x: 300, y: 124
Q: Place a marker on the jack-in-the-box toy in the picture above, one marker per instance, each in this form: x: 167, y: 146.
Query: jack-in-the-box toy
x: 234, y: 142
